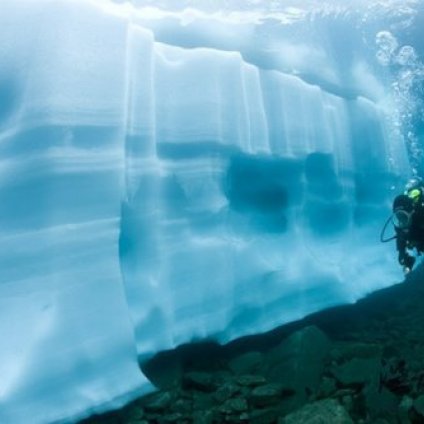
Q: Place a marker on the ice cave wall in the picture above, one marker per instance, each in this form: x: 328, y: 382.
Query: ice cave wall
x: 152, y: 195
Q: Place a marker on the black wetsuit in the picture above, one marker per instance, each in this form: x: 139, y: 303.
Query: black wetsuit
x: 412, y: 237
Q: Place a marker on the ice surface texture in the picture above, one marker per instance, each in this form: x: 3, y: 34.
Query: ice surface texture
x: 152, y: 195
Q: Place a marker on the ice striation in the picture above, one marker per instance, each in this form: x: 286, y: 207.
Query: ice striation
x: 155, y: 194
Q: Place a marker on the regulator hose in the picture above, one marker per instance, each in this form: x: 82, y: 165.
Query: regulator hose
x: 383, y: 231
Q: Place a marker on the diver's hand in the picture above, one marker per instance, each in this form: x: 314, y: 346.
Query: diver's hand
x: 407, y: 261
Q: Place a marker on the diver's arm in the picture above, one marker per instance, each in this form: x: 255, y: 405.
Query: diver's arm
x: 400, y: 244
x: 406, y: 260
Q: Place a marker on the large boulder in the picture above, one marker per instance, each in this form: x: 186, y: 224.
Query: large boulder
x: 246, y: 363
x: 298, y: 362
x: 321, y: 412
x: 357, y: 363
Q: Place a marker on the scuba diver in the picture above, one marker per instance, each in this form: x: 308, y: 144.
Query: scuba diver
x: 408, y: 220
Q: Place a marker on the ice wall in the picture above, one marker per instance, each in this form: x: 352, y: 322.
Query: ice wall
x: 67, y: 345
x: 152, y: 195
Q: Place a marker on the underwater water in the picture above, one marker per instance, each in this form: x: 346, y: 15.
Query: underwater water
x: 175, y: 173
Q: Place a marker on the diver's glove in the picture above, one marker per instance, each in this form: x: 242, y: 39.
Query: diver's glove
x: 407, y: 261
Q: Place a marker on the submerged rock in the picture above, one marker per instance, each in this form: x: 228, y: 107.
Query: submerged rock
x: 226, y: 391
x: 199, y: 381
x: 203, y: 417
x: 298, y: 362
x: 321, y: 412
x: 357, y: 363
x: 247, y: 363
x: 419, y: 405
x: 250, y: 380
x: 157, y: 402
x: 405, y: 407
x: 235, y: 405
x: 266, y: 395
x: 358, y: 371
x: 381, y: 403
